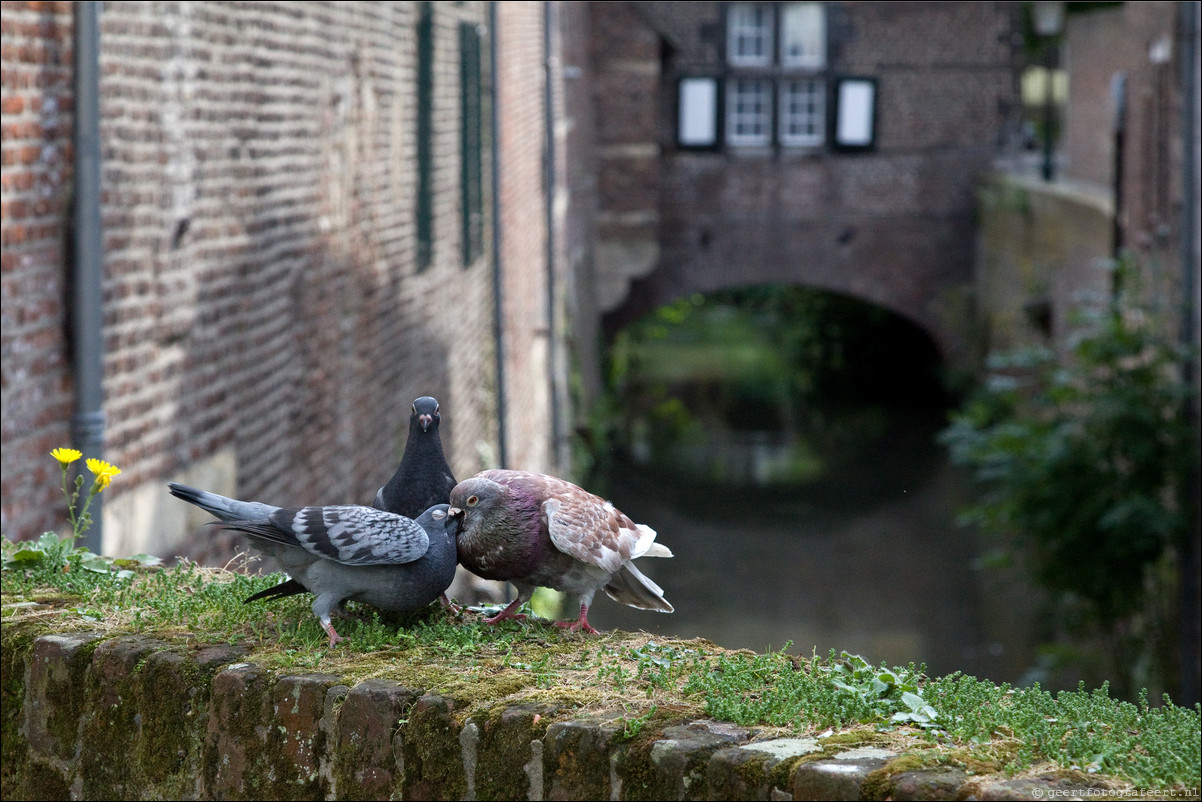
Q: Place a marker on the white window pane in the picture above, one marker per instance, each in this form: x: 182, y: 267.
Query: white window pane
x: 802, y: 115
x: 803, y: 35
x: 698, y: 123
x: 749, y: 35
x: 748, y: 112
x: 856, y: 101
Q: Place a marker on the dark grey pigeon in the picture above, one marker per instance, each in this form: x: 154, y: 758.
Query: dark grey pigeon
x: 536, y: 530
x: 423, y: 478
x: 344, y: 552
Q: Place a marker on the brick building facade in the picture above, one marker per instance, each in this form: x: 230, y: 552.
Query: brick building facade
x: 774, y: 195
x: 298, y: 241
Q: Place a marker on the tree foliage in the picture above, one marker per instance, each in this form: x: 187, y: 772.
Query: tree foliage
x: 1084, y: 459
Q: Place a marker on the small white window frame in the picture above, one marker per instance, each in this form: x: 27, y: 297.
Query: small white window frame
x: 802, y: 29
x: 738, y: 117
x: 750, y: 22
x: 814, y: 119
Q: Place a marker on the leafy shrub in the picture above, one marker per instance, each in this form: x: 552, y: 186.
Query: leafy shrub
x: 1084, y: 459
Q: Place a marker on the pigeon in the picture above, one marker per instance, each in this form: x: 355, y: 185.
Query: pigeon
x: 344, y: 552
x: 423, y: 478
x: 536, y: 530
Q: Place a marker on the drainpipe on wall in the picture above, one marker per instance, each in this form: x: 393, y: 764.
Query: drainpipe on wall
x: 87, y: 424
x: 1118, y: 94
x: 497, y: 273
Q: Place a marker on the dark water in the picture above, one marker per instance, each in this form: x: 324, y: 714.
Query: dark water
x: 867, y: 560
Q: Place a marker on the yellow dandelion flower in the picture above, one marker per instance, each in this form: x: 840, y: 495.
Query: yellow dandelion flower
x: 102, y: 468
x: 66, y: 456
x: 104, y: 473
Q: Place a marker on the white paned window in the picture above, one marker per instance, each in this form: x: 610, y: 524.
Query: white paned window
x: 749, y: 112
x: 801, y: 112
x: 775, y: 83
x: 803, y: 36
x: 749, y: 35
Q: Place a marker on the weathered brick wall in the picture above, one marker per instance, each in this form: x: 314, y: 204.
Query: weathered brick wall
x: 1143, y: 42
x: 893, y: 226
x: 266, y: 324
x: 37, y: 103
x: 576, y: 197
x: 522, y: 138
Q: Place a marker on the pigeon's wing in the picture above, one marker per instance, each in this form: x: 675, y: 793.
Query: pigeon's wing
x: 589, y: 529
x: 351, y: 534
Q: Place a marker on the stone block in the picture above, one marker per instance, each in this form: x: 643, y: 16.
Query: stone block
x: 841, y: 777
x: 366, y: 763
x: 934, y: 784
x: 680, y: 760
x: 504, y: 758
x: 577, y: 762
x: 296, y: 742
x: 114, y: 720
x: 55, y: 695
x: 750, y: 771
x: 234, y: 762
x: 431, y: 751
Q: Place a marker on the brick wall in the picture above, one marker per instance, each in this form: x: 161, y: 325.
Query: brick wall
x: 1141, y: 41
x: 522, y: 140
x: 266, y: 325
x: 36, y: 173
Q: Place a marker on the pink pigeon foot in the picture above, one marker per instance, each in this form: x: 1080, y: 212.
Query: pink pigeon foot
x: 335, y: 638
x: 580, y: 623
x: 449, y: 606
x: 508, y: 613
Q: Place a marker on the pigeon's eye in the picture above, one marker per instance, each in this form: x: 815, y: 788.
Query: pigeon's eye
x: 473, y: 501
x: 414, y: 409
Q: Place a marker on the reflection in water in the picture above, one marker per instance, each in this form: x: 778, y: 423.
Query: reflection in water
x: 869, y: 560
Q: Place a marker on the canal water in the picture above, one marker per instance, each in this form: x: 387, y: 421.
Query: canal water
x: 867, y: 560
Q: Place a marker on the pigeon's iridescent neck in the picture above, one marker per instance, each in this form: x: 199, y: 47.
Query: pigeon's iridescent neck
x: 507, y: 545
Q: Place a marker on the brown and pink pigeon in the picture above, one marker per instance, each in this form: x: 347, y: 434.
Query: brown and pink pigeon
x: 536, y: 530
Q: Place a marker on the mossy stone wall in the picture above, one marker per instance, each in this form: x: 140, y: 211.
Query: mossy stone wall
x: 87, y: 716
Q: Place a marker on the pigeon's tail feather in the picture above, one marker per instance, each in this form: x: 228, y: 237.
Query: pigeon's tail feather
x: 631, y: 587
x: 657, y: 550
x: 289, y: 588
x: 227, y: 509
x: 646, y: 545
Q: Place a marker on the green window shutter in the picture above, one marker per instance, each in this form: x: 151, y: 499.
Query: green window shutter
x: 471, y: 142
x: 425, y: 133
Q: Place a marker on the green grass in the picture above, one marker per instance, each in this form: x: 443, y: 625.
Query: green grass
x: 640, y: 681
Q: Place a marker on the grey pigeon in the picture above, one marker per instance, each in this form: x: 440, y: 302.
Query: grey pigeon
x: 423, y: 478
x: 344, y: 552
x: 536, y: 530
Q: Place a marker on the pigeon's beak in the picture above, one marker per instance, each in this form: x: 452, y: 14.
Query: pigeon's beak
x: 424, y: 421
